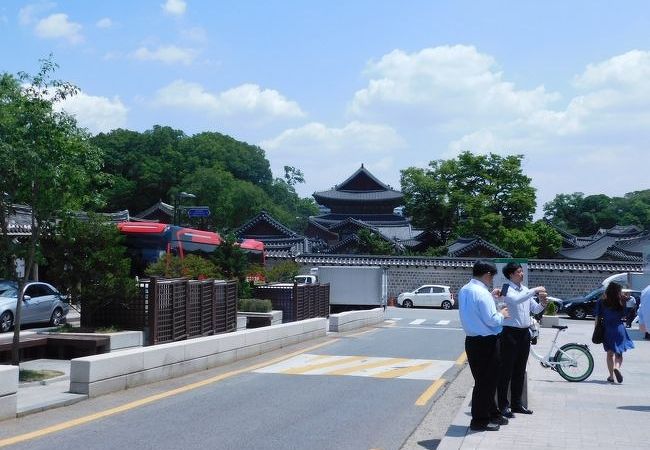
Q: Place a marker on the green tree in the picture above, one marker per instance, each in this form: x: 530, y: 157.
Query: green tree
x: 371, y: 244
x: 532, y: 240
x: 191, y: 266
x: 471, y: 194
x: 49, y: 164
x: 90, y: 263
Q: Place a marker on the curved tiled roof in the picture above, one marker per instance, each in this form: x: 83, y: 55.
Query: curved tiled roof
x: 160, y: 206
x: 265, y: 217
x: 466, y: 244
x: 328, y: 220
x: 361, y: 186
x: 423, y: 261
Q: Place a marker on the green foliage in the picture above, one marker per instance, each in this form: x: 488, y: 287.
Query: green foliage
x: 469, y: 195
x: 231, y: 259
x: 232, y: 178
x: 584, y: 216
x: 282, y: 272
x: 532, y: 240
x: 191, y: 266
x: 254, y: 305
x: 371, y: 244
x: 89, y: 262
x: 551, y: 309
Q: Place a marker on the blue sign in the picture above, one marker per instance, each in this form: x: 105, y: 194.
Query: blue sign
x: 199, y: 211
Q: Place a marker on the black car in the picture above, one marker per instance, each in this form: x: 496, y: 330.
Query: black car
x: 581, y: 307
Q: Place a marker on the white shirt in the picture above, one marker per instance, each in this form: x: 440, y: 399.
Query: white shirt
x: 477, y: 310
x: 520, y: 305
x: 644, y: 308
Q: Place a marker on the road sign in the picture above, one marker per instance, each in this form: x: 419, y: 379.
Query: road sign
x: 198, y: 211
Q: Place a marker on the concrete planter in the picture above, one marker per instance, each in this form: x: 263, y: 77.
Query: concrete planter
x: 8, y: 391
x: 119, y: 340
x: 241, y: 322
x: 258, y: 319
x: 549, y: 321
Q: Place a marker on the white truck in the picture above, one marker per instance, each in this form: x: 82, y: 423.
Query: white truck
x: 351, y: 287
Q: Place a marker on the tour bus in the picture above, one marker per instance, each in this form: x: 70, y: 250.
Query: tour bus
x: 146, y: 242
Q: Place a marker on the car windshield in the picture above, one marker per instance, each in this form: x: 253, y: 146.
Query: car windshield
x: 8, y: 291
x: 595, y: 293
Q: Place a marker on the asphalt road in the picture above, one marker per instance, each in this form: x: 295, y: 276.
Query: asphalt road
x: 356, y: 391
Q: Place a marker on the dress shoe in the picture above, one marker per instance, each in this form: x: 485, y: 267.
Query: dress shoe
x: 507, y: 412
x: 522, y: 410
x: 499, y: 420
x: 484, y: 427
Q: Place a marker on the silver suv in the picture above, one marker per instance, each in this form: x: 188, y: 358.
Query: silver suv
x: 428, y: 295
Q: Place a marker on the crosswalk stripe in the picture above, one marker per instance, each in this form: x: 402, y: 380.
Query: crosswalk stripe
x: 417, y: 321
x: 402, y: 371
x: 370, y: 365
x: 310, y: 367
x: 443, y: 322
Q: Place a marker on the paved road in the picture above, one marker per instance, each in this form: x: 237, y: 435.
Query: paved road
x: 355, y: 391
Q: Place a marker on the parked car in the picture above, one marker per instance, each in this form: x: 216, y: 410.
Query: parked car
x: 41, y: 303
x: 427, y: 295
x: 582, y: 307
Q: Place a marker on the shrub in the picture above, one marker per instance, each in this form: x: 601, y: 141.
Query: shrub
x: 283, y: 272
x: 254, y: 305
x: 551, y: 309
x: 192, y: 266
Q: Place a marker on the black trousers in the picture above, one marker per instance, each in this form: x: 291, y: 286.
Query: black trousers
x: 483, y: 358
x: 515, y: 347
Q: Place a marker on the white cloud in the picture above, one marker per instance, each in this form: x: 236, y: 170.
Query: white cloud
x: 97, y: 114
x: 247, y: 99
x: 328, y: 155
x: 27, y: 14
x: 195, y: 34
x: 169, y: 54
x: 58, y: 26
x: 442, y: 86
x: 174, y: 7
x: 104, y: 23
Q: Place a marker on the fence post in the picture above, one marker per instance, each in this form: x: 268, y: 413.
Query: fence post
x: 152, y: 311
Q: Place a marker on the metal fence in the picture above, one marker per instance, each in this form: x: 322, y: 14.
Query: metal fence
x: 173, y: 309
x: 297, y: 301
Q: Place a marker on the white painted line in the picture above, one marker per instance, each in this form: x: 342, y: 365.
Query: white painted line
x: 443, y: 322
x: 417, y: 321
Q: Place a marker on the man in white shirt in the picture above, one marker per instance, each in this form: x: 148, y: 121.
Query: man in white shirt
x: 482, y: 324
x: 515, y: 339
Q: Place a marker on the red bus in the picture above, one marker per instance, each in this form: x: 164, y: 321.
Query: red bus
x: 146, y: 242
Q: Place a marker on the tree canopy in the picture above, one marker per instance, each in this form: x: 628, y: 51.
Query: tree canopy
x: 478, y: 195
x: 584, y: 215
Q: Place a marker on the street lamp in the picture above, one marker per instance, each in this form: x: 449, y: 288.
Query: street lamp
x: 177, y: 205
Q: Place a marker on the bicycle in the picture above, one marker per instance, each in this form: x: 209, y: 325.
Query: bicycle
x: 572, y: 361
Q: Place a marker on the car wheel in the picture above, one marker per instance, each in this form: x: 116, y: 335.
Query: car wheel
x: 57, y: 317
x: 446, y: 304
x: 6, y: 321
x: 580, y: 313
x: 407, y: 304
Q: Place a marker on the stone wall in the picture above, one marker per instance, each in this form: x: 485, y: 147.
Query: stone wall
x: 562, y: 278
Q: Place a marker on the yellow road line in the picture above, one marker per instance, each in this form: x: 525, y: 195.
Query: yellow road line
x: 144, y: 401
x: 310, y: 367
x: 369, y: 365
x: 430, y: 392
x: 361, y: 332
x: 461, y: 359
x: 402, y: 371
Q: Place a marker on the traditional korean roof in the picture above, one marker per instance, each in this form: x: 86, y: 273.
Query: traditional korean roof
x: 464, y: 246
x: 19, y: 222
x: 160, y: 208
x: 263, y: 226
x: 361, y: 186
x: 316, y: 259
x: 329, y: 220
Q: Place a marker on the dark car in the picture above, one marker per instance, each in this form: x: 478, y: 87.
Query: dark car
x: 582, y: 307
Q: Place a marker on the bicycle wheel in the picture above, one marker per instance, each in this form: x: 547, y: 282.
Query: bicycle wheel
x: 575, y: 362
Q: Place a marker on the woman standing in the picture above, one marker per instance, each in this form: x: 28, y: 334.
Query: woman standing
x: 616, y: 340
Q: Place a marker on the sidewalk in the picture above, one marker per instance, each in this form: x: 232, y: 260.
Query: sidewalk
x: 581, y: 415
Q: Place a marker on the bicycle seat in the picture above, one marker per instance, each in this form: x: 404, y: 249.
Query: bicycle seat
x: 560, y: 327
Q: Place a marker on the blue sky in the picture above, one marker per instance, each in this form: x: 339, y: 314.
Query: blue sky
x: 327, y: 85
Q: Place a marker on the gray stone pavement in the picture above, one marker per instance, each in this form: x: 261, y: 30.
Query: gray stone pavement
x: 567, y: 415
